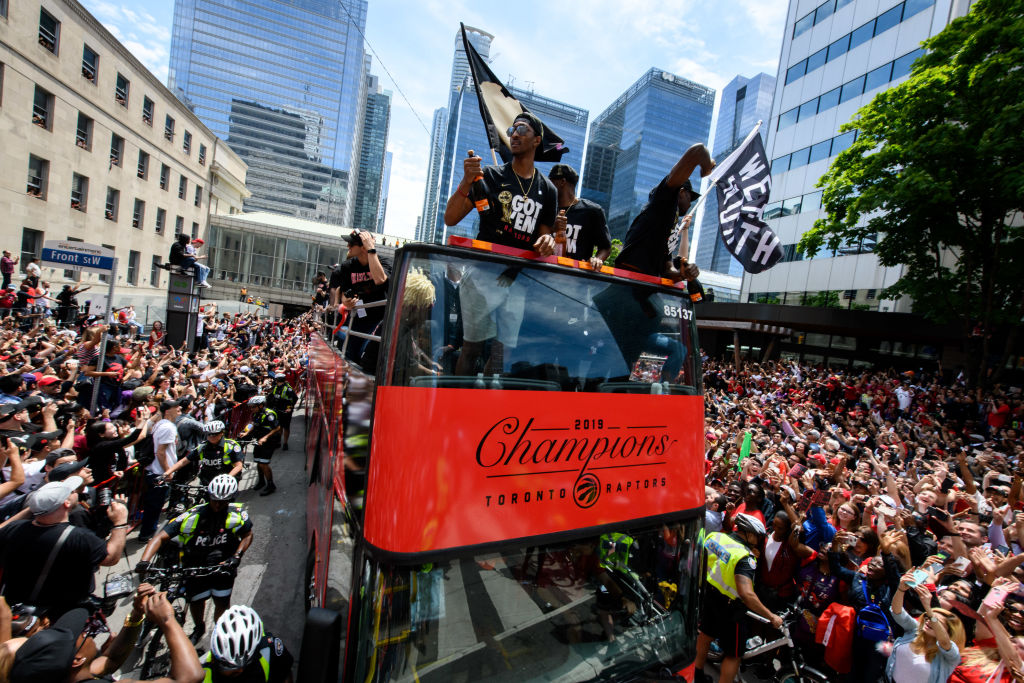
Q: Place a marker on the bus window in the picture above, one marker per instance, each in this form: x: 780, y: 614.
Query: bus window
x: 499, y: 324
x: 613, y: 605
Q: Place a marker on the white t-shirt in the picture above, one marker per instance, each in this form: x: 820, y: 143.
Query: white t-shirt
x: 910, y: 667
x: 34, y: 476
x: 164, y: 433
x: 32, y: 269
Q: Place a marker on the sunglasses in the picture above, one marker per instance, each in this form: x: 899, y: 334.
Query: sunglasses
x: 520, y: 128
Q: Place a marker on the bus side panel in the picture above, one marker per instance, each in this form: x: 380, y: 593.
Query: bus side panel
x: 460, y: 467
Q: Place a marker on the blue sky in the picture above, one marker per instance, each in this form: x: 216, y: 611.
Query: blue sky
x: 585, y: 53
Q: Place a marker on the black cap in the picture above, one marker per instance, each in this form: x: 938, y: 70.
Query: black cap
x: 538, y: 127
x: 53, y: 456
x: 565, y: 172
x: 62, y: 472
x: 353, y: 239
x: 168, y: 404
x: 689, y: 186
x: 47, y: 656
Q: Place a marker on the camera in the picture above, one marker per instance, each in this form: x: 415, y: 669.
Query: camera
x: 104, y: 497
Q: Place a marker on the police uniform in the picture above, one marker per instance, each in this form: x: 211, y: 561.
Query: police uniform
x: 272, y: 664
x: 282, y: 399
x: 206, y: 538
x: 263, y: 423
x: 722, y: 610
x: 215, y: 458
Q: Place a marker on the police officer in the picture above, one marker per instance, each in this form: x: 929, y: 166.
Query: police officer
x: 266, y: 429
x: 217, y: 455
x: 282, y: 400
x: 242, y: 652
x: 731, y: 567
x: 214, y: 533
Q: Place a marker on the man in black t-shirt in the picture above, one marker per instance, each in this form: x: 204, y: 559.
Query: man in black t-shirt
x: 519, y: 211
x: 586, y: 228
x: 646, y: 247
x: 361, y: 278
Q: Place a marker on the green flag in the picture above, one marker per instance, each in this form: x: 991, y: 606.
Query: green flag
x: 744, y: 449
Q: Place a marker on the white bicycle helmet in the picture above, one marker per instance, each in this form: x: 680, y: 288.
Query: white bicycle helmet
x: 214, y: 427
x: 257, y: 400
x: 236, y: 637
x: 223, y: 487
x: 745, y: 522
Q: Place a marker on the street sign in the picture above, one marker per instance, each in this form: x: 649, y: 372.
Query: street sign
x: 78, y: 256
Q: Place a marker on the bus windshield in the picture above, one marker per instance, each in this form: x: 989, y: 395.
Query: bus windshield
x: 491, y: 322
x: 597, y: 608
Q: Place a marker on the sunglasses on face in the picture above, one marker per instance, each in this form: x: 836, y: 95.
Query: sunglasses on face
x: 520, y: 128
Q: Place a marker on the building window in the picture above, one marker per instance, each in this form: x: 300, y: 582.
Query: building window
x: 3, y: 8
x: 186, y: 143
x: 138, y: 214
x: 862, y: 34
x: 871, y: 294
x: 121, y: 89
x: 199, y: 195
x: 31, y: 246
x: 133, y: 267
x: 803, y: 25
x: 169, y: 128
x: 179, y: 225
x: 154, y: 272
x: 165, y: 176
x: 38, y: 172
x: 182, y: 187
x: 147, y: 111
x: 820, y: 151
x: 116, y: 149
x: 79, y: 192
x: 195, y: 230
x: 852, y: 89
x: 49, y: 31
x: 1, y: 80
x: 90, y: 64
x: 824, y: 11
x: 83, y: 132
x: 42, y: 108
x: 878, y: 77
x: 161, y: 220
x: 817, y: 60
x: 202, y: 155
x: 839, y: 48
x: 143, y: 171
x: 889, y: 19
x: 113, y: 201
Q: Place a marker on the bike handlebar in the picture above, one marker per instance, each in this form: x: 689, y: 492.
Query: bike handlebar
x: 185, y: 572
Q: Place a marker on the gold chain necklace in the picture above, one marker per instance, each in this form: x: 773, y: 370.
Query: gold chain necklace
x: 526, y: 192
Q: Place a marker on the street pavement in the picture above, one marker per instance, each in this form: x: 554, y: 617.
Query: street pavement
x: 270, y: 576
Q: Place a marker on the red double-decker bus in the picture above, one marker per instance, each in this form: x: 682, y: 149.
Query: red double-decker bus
x: 506, y: 482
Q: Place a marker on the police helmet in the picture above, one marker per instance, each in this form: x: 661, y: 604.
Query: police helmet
x: 236, y: 637
x: 223, y: 487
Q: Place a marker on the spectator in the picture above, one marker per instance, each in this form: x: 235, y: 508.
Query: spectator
x: 7, y: 268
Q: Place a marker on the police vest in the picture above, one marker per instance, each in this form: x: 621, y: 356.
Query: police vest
x: 724, y: 553
x: 227, y: 446
x: 208, y: 665
x: 614, y: 550
x: 264, y: 416
x: 281, y: 394
x: 233, y: 523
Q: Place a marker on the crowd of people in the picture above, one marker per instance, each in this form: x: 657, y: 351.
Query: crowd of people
x: 879, y: 515
x: 102, y: 429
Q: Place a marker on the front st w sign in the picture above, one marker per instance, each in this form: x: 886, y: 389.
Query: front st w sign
x: 78, y: 256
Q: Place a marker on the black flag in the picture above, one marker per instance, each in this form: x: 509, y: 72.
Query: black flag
x: 499, y: 109
x: 743, y: 188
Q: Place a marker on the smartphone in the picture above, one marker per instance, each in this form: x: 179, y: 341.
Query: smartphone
x: 996, y: 597
x: 961, y: 563
x: 947, y: 484
x: 919, y: 577
x: 938, y: 514
x: 797, y: 470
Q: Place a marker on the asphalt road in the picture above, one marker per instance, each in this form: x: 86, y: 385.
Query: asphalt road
x: 270, y: 576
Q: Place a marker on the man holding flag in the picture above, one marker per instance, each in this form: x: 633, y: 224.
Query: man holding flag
x: 646, y: 246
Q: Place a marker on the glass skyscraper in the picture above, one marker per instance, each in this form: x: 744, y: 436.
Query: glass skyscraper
x: 636, y: 141
x: 376, y: 119
x: 283, y: 82
x: 438, y: 128
x: 464, y: 130
x: 745, y: 101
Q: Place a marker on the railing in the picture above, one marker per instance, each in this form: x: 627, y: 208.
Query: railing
x: 40, y: 116
x: 136, y: 220
x: 202, y: 157
x: 115, y: 158
x: 147, y: 117
x: 47, y: 38
x: 361, y: 335
x: 35, y: 186
x: 110, y: 212
x: 142, y: 170
x: 88, y: 71
x: 121, y: 96
x: 163, y: 182
x: 181, y: 193
x: 82, y: 138
x: 159, y: 227
x: 169, y: 133
x: 76, y: 199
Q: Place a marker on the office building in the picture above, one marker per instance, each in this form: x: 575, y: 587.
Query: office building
x: 435, y: 157
x: 283, y: 81
x: 635, y: 142
x: 98, y: 150
x: 385, y: 184
x: 376, y: 120
x: 836, y: 56
x: 464, y: 131
x: 745, y: 101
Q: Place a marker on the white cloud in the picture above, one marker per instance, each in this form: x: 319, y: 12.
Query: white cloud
x: 138, y: 30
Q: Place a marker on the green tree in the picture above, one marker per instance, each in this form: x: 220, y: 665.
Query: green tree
x: 616, y: 248
x: 822, y: 299
x: 936, y: 174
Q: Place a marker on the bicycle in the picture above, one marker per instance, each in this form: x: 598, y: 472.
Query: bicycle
x: 795, y: 670
x: 155, y: 662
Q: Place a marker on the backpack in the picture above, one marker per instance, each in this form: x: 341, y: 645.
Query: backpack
x: 177, y: 254
x: 872, y: 624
